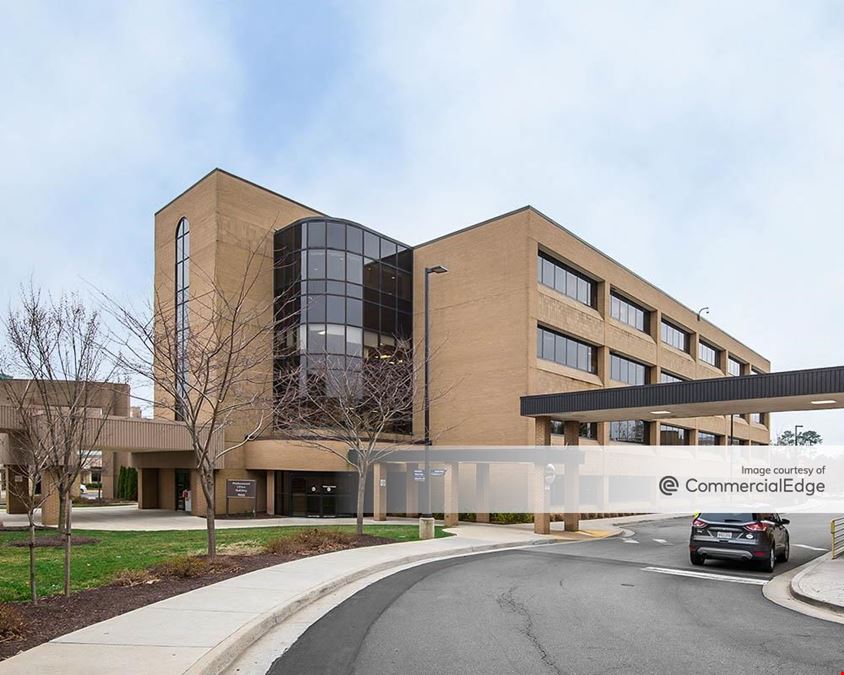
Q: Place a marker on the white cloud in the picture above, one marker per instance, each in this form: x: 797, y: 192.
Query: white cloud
x: 701, y: 145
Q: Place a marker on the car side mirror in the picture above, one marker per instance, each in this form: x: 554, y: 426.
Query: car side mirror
x: 784, y: 521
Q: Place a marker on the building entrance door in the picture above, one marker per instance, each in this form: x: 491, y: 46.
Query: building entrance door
x: 182, y: 487
x: 313, y: 495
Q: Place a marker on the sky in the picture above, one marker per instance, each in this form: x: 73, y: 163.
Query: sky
x: 700, y: 144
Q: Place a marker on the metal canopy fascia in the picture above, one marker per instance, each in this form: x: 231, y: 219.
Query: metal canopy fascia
x: 813, y: 389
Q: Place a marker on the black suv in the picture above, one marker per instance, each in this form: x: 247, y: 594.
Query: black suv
x: 752, y: 537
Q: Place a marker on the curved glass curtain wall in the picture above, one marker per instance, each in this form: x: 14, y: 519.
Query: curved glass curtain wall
x: 181, y: 321
x: 345, y: 294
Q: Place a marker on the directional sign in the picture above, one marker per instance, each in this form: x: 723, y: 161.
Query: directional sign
x: 419, y: 475
x: 438, y: 472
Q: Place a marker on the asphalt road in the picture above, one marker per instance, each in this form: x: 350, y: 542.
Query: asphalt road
x: 620, y: 605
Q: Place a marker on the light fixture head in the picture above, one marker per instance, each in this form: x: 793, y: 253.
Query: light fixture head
x: 826, y: 401
x: 436, y: 269
x: 660, y: 412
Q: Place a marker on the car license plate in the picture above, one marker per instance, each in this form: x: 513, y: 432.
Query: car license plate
x: 724, y: 535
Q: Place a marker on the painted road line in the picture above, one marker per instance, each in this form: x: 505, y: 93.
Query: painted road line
x: 705, y: 575
x: 811, y: 548
x: 630, y: 541
x: 660, y: 541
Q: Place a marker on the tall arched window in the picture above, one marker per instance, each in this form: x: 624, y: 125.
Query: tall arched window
x: 181, y: 323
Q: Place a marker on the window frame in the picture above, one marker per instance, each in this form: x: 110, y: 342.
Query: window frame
x: 673, y: 329
x: 702, y: 345
x: 622, y: 315
x: 582, y: 285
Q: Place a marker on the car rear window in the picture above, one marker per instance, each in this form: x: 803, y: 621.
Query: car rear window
x: 727, y: 517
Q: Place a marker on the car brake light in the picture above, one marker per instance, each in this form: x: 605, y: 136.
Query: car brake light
x: 697, y: 522
x: 756, y: 527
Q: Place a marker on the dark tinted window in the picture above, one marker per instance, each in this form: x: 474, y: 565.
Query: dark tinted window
x: 566, y: 280
x: 677, y: 338
x: 627, y: 371
x: 628, y: 431
x: 728, y: 517
x: 566, y: 351
x: 625, y: 311
x: 707, y: 353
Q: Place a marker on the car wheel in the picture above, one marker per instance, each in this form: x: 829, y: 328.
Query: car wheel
x: 786, y: 550
x: 768, y: 564
x: 696, y: 558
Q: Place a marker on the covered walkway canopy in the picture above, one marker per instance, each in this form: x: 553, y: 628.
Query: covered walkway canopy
x: 812, y: 389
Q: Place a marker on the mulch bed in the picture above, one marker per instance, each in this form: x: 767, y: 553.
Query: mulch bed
x: 58, y: 615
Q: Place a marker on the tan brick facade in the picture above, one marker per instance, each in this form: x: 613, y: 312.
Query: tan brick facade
x: 484, y: 315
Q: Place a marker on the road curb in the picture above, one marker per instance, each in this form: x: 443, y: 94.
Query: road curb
x: 779, y: 591
x: 797, y: 592
x: 218, y: 658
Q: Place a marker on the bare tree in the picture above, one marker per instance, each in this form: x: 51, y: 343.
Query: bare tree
x: 31, y: 458
x: 359, y: 413
x: 57, y: 344
x: 211, y: 368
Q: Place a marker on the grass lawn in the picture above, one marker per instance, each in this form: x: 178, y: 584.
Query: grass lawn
x: 95, y: 564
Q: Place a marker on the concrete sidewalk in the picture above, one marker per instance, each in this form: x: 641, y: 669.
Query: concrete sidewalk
x: 203, y: 630
x: 821, y: 584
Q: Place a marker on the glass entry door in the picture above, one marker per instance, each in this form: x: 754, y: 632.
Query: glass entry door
x: 313, y: 495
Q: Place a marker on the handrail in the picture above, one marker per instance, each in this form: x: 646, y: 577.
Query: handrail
x: 836, y: 527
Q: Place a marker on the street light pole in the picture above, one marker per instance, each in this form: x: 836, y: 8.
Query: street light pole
x: 426, y: 520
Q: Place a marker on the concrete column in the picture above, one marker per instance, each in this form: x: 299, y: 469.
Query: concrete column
x: 50, y: 507
x: 603, y: 365
x: 270, y: 493
x: 451, y: 489
x: 379, y: 492
x: 693, y: 436
x: 536, y: 481
x: 482, y: 493
x: 411, y: 491
x: 571, y: 517
x: 542, y: 434
x: 147, y: 488
x: 17, y: 489
x: 167, y: 489
x: 541, y: 498
x: 654, y: 429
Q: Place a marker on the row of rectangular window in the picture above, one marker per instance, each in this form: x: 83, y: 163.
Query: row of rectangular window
x: 342, y: 266
x: 566, y: 351
x: 635, y: 431
x: 348, y: 237
x: 565, y: 280
x: 628, y: 312
x: 668, y: 378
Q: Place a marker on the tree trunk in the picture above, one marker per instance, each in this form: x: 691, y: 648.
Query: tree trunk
x: 361, y: 495
x: 210, y: 516
x: 68, y: 526
x: 33, y: 591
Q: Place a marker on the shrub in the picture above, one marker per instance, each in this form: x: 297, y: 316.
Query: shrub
x: 11, y: 623
x: 311, y: 542
x: 184, y: 567
x: 511, y: 518
x: 134, y: 578
x: 127, y: 483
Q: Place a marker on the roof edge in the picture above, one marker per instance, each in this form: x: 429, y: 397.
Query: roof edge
x: 242, y: 180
